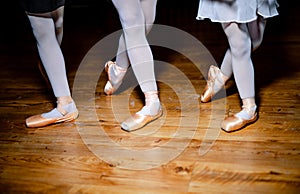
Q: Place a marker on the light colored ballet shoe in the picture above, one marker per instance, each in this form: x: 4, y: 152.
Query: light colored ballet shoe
x: 214, y: 84
x: 109, y: 87
x: 234, y: 123
x: 40, y: 121
x: 138, y: 121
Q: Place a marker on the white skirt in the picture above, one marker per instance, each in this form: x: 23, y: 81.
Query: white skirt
x: 241, y: 11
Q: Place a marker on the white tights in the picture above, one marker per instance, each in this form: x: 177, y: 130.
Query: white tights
x: 137, y: 17
x: 48, y: 31
x: 242, y: 38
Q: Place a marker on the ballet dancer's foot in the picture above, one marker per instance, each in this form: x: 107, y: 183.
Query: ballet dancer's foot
x: 115, y: 76
x: 150, y: 112
x: 64, y: 112
x: 216, y: 80
x: 246, y: 116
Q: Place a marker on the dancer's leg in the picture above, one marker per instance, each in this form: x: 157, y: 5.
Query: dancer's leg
x: 139, y: 52
x: 140, y: 56
x: 50, y: 54
x: 256, y: 30
x: 117, y: 70
x: 240, y: 45
x: 58, y: 17
x: 48, y: 36
x: 226, y: 66
x: 149, y: 11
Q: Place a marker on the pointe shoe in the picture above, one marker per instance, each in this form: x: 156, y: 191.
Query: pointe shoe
x: 138, y: 121
x: 40, y: 121
x: 215, y: 82
x: 112, y: 86
x: 234, y: 123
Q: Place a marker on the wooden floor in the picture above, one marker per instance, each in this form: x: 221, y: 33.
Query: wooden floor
x: 183, y: 152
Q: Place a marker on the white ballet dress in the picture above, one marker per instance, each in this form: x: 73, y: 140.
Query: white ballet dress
x: 241, y: 11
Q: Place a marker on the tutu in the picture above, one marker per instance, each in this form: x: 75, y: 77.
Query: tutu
x: 241, y: 11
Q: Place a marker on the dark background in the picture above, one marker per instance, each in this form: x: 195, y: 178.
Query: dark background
x: 87, y: 21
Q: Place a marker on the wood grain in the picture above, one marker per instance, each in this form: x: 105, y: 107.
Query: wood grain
x: 93, y: 155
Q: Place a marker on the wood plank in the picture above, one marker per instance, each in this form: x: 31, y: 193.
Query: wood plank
x: 184, y: 151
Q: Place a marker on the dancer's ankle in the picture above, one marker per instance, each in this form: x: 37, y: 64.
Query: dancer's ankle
x: 65, y: 105
x: 224, y: 77
x: 249, y: 109
x: 64, y: 100
x: 152, y: 105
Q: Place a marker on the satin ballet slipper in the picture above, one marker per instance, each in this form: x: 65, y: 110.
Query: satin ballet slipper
x: 234, y: 123
x: 112, y: 86
x: 216, y: 80
x: 138, y: 121
x: 40, y: 121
